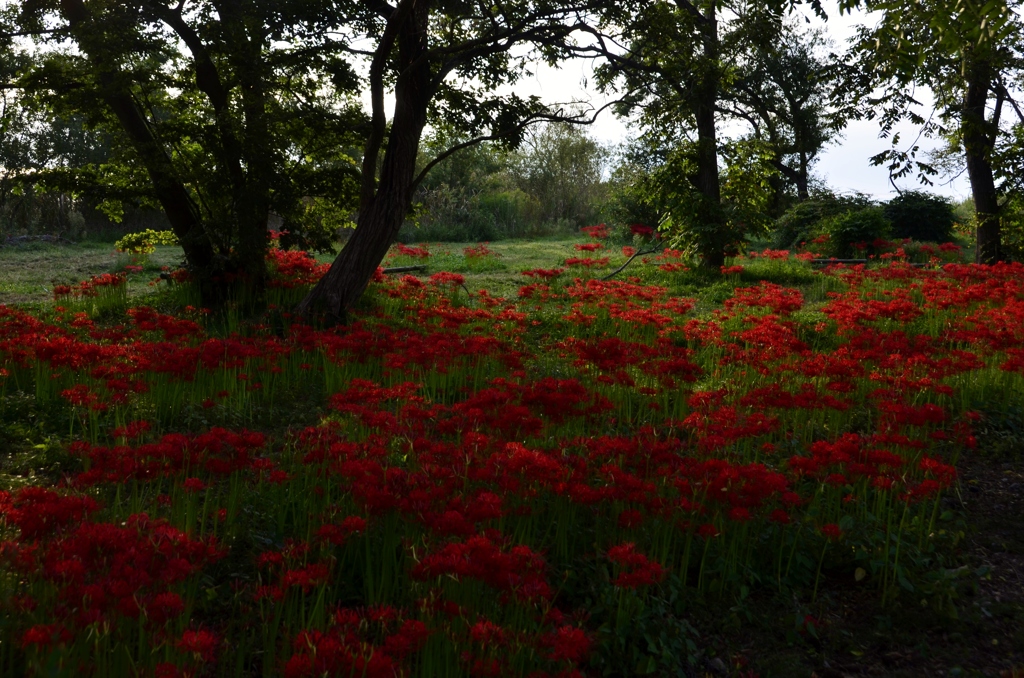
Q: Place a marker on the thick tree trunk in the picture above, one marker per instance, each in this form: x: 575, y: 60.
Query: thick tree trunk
x: 712, y: 251
x: 802, y: 192
x: 384, y: 209
x: 978, y: 141
x: 253, y: 210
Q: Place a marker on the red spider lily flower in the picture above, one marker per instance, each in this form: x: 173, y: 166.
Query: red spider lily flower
x: 40, y: 635
x: 202, y: 643
x: 298, y: 666
x: 410, y: 637
x: 420, y: 252
x: 708, y: 531
x: 831, y: 531
x: 544, y: 273
x: 641, y: 230
x: 445, y: 279
x: 278, y: 477
x: 586, y: 262
x: 630, y: 518
x: 567, y: 643
x: 588, y: 247
x: 479, y: 252
x: 635, y: 568
x: 192, y: 485
x: 520, y: 570
x: 38, y: 512
x: 306, y: 578
x: 488, y: 634
x: 339, y: 534
x: 739, y: 514
x: 598, y: 232
x: 132, y: 430
x: 164, y: 607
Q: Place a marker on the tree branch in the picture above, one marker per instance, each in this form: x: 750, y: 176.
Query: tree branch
x: 541, y: 116
x: 638, y: 253
x: 382, y: 8
x: 378, y: 124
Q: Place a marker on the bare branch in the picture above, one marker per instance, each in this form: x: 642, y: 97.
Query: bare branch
x: 638, y: 253
x: 541, y: 116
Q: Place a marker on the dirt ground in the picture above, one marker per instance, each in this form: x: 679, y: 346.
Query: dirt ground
x: 856, y: 636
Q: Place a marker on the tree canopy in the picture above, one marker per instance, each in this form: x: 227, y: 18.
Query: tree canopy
x: 968, y: 54
x: 226, y: 112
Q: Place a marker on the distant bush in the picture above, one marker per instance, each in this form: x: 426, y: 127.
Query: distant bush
x: 450, y: 215
x: 801, y: 223
x: 855, y: 233
x: 921, y: 216
x: 145, y: 242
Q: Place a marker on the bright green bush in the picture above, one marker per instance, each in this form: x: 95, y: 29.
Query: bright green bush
x: 145, y: 242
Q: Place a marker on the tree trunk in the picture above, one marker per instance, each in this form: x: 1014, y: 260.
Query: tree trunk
x: 253, y: 210
x: 802, y: 194
x: 384, y: 210
x: 181, y: 211
x: 978, y: 141
x: 712, y: 251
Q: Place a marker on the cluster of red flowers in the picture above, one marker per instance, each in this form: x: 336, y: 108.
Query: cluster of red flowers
x: 480, y: 251
x: 635, y: 568
x: 586, y: 262
x: 91, y: 287
x: 598, y: 232
x: 470, y: 454
x: 293, y: 268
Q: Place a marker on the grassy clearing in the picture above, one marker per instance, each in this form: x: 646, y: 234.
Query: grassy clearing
x: 29, y: 272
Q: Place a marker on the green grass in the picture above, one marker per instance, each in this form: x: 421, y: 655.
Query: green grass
x: 29, y: 272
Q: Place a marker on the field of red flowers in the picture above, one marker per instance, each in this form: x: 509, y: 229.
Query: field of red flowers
x: 458, y: 484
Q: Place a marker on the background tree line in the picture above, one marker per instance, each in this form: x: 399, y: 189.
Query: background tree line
x: 224, y: 114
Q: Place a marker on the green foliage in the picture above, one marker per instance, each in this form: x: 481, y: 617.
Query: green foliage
x: 145, y: 242
x: 968, y: 55
x: 921, y: 216
x: 1012, y: 217
x: 454, y: 214
x: 630, y: 196
x: 791, y: 92
x: 852, y: 234
x: 219, y: 117
x: 800, y: 224
x: 484, y: 193
x: 560, y: 166
x: 643, y: 635
x: 747, y: 185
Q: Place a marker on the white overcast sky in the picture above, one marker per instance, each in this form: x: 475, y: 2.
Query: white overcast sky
x: 844, y: 165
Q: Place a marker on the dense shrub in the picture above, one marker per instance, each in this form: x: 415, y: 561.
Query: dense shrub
x: 855, y: 233
x: 921, y: 216
x: 800, y: 224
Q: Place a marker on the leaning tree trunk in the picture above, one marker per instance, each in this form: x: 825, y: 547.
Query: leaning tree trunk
x: 978, y: 141
x: 383, y: 208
